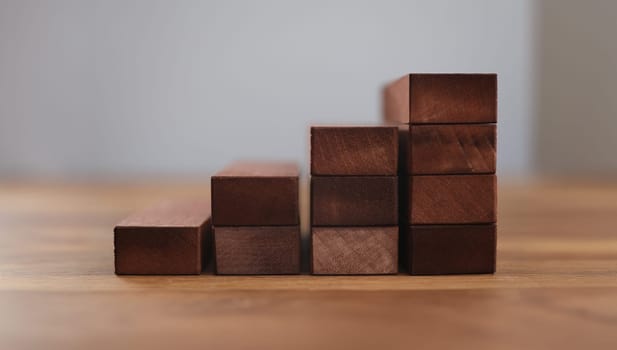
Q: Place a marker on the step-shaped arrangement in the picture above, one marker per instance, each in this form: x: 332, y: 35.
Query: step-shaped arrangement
x: 354, y: 200
x: 255, y: 218
x: 449, y: 171
x: 421, y: 188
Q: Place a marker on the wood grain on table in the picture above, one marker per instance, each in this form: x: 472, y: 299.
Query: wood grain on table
x: 555, y: 286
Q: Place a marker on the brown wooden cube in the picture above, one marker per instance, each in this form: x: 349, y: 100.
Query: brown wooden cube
x: 442, y: 99
x: 354, y: 250
x: 255, y: 193
x: 354, y: 150
x: 354, y: 200
x: 166, y: 239
x: 452, y: 199
x: 452, y: 149
x: 450, y: 249
x: 261, y: 250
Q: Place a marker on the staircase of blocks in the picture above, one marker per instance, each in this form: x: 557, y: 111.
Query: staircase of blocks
x: 416, y: 194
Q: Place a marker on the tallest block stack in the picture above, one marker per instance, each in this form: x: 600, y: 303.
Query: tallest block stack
x: 450, y: 200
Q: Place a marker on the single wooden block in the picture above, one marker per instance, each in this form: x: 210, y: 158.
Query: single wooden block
x: 257, y: 250
x: 165, y: 239
x: 354, y: 150
x: 452, y: 199
x: 256, y: 193
x: 451, y: 249
x: 354, y: 250
x: 442, y: 99
x: 354, y: 200
x: 452, y: 149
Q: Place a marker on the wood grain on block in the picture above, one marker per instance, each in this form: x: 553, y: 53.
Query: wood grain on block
x: 452, y: 149
x: 256, y: 193
x: 452, y: 199
x: 354, y: 250
x: 354, y: 200
x: 163, y: 239
x: 451, y: 249
x: 354, y: 150
x: 442, y: 99
x: 257, y: 250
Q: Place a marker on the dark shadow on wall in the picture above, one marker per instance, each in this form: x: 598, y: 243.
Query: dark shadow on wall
x: 576, y: 77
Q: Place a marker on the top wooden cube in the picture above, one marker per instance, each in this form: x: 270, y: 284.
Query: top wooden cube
x: 442, y: 99
x: 256, y: 194
x: 354, y: 150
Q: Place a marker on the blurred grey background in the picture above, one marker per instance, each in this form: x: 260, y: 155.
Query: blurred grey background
x: 124, y: 89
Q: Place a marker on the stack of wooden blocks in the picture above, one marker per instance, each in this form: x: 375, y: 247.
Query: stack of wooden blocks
x: 431, y: 177
x: 255, y: 217
x: 354, y: 200
x: 450, y: 201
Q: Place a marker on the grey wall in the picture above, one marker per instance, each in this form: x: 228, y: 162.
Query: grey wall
x: 130, y: 88
x: 576, y: 124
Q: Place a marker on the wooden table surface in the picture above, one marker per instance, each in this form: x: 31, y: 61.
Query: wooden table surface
x: 555, y: 286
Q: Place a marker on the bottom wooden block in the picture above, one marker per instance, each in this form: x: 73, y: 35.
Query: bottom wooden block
x: 450, y: 249
x: 167, y: 239
x: 257, y: 250
x: 354, y: 250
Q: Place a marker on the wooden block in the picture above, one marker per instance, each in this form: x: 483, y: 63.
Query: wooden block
x: 354, y: 250
x: 451, y: 249
x: 257, y: 250
x: 442, y: 99
x: 256, y: 193
x: 354, y: 150
x: 395, y: 101
x: 354, y: 200
x: 165, y: 239
x: 452, y: 199
x: 452, y: 149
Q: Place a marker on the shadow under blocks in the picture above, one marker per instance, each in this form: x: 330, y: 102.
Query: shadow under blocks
x: 447, y: 125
